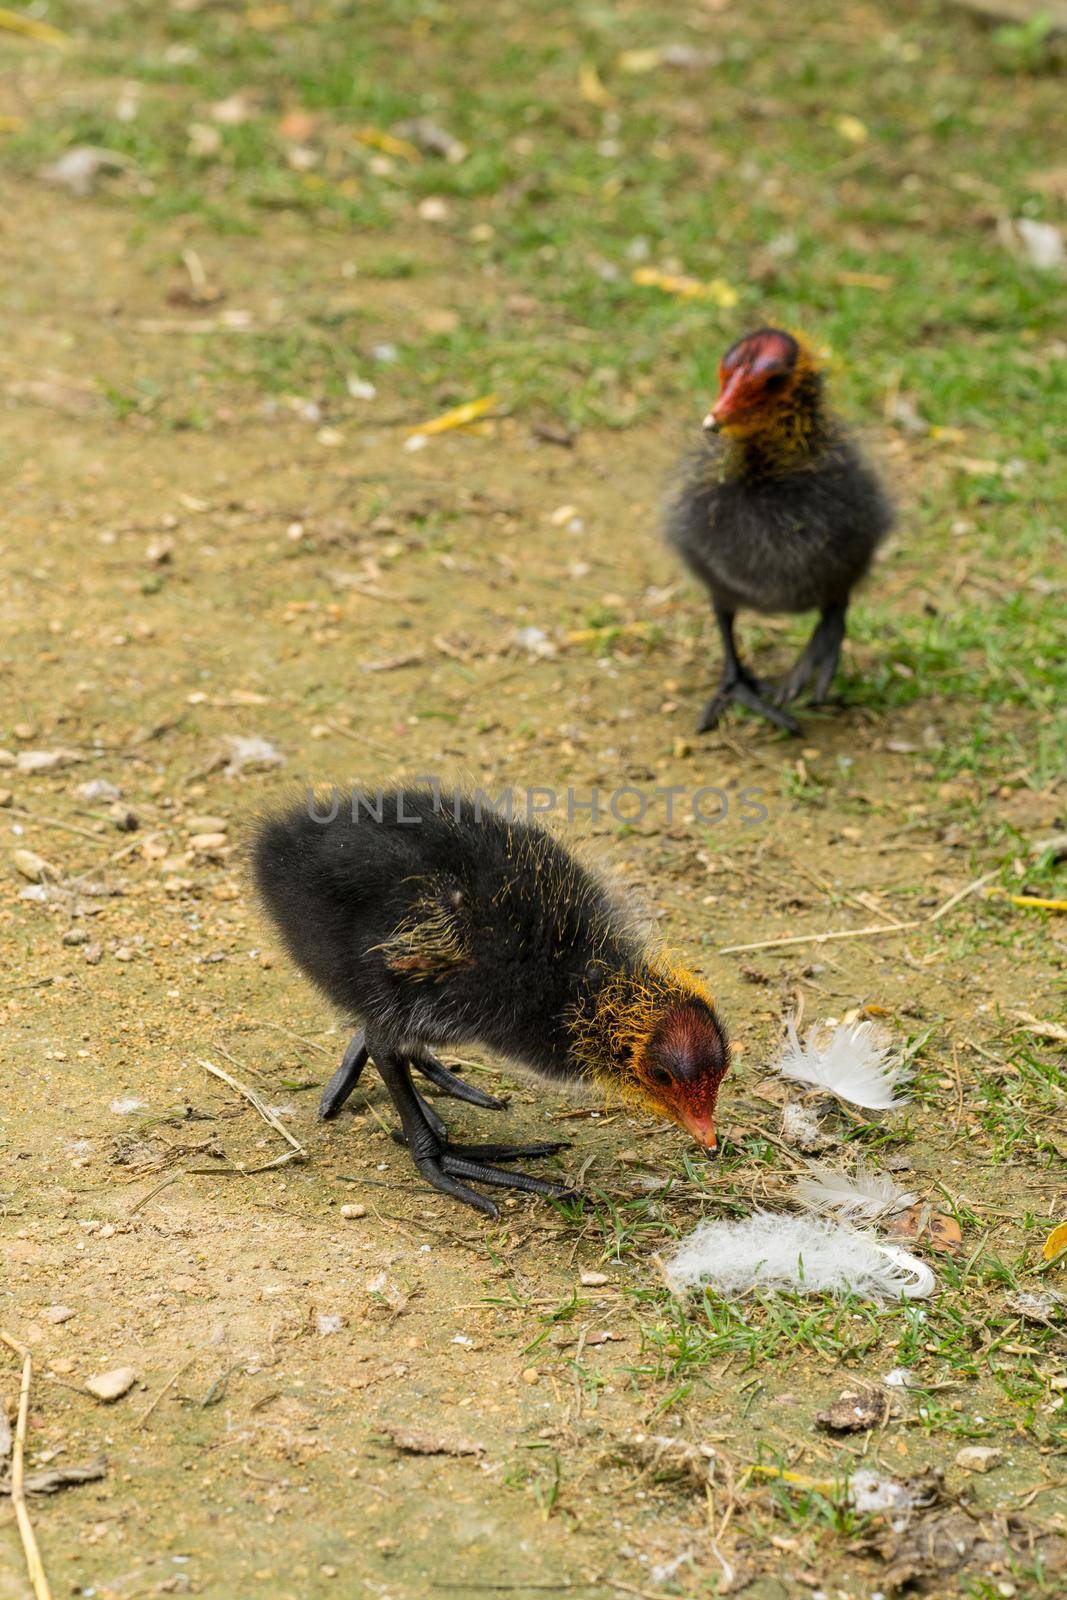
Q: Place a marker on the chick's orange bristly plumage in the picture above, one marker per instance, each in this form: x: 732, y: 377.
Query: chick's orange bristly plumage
x: 777, y: 512
x: 652, y: 1038
x: 456, y: 926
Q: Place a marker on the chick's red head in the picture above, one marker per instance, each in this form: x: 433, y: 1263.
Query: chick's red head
x: 682, y: 1064
x: 757, y: 376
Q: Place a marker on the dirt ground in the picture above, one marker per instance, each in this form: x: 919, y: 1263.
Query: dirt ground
x: 308, y: 581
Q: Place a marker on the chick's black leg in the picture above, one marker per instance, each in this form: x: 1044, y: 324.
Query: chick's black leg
x: 452, y: 1084
x: 423, y: 1143
x: 738, y: 685
x: 819, y: 659
x: 442, y: 1163
x: 436, y: 1123
x: 345, y: 1078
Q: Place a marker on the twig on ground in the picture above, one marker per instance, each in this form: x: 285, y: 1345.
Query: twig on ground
x: 32, y: 983
x: 171, y: 1381
x: 239, y: 1170
x: 862, y: 933
x: 172, y: 1177
x: 56, y: 822
x: 34, y: 1564
x: 256, y: 1101
x: 299, y: 1037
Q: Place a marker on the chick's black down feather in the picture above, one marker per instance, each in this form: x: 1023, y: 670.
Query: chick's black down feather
x: 795, y: 541
x: 452, y: 927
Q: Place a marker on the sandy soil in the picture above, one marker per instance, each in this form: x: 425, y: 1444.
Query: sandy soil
x: 356, y: 605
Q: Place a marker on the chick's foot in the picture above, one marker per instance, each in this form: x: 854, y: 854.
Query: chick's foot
x: 743, y: 691
x: 443, y: 1163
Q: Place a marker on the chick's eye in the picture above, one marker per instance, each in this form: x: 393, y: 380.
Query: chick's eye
x: 659, y: 1076
x: 773, y: 382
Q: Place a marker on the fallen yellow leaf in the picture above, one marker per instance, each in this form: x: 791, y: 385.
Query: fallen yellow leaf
x: 591, y: 87
x: 852, y: 129
x: 686, y: 288
x: 459, y: 416
x: 30, y: 28
x: 639, y: 60
x: 1056, y: 1241
x: 1026, y: 900
x: 588, y: 635
x: 798, y: 1480
x: 865, y: 280
x: 387, y: 143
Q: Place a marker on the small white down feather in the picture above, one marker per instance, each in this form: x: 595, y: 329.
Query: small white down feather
x: 856, y: 1063
x: 807, y: 1255
x: 862, y: 1195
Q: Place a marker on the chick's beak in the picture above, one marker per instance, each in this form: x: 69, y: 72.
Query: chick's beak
x: 701, y: 1125
x: 727, y: 403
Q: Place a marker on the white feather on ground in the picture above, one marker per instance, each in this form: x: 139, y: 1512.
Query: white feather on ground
x: 801, y: 1127
x: 860, y: 1195
x: 808, y: 1255
x: 856, y: 1063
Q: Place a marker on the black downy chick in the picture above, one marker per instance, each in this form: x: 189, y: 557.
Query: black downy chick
x: 777, y: 512
x: 439, y: 923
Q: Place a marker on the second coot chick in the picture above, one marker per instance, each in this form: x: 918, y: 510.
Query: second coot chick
x: 439, y: 923
x: 777, y: 512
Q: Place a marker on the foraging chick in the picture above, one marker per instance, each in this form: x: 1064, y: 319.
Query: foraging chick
x: 778, y: 512
x: 439, y: 924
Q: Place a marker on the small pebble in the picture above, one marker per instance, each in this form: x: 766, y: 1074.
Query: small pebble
x: 97, y: 789
x: 530, y: 1375
x: 353, y: 1211
x: 593, y: 1280
x: 76, y: 936
x: 33, y: 866
x: 159, y: 552
x: 111, y: 1386
x: 58, y: 1314
x: 979, y: 1457
x: 206, y: 824
x: 41, y: 760
x: 207, y: 842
